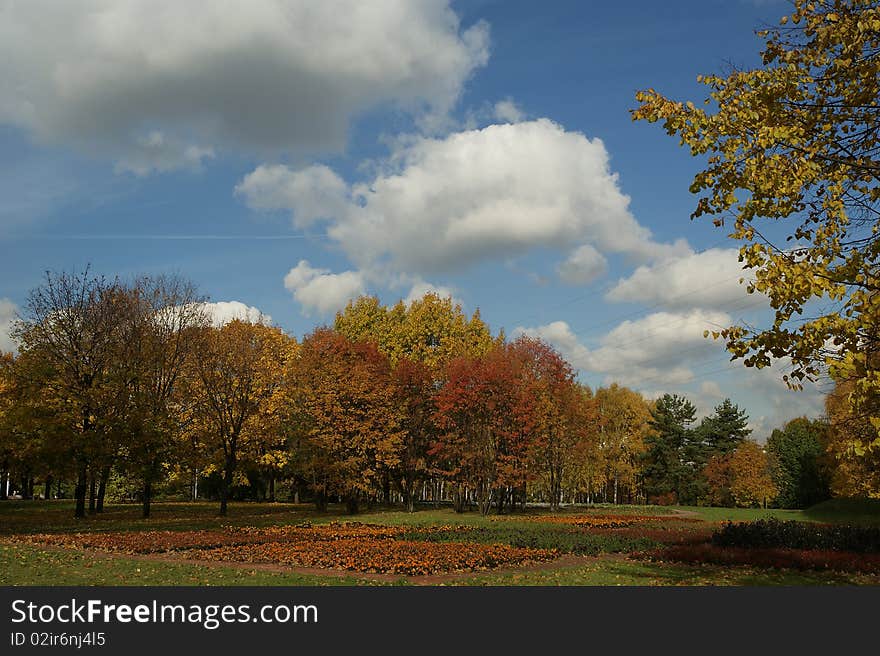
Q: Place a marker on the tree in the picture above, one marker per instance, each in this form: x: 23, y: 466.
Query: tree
x: 850, y: 474
x: 236, y: 369
x: 351, y: 427
x: 561, y: 412
x: 72, y: 324
x: 163, y: 317
x: 723, y: 431
x: 624, y: 423
x: 414, y: 391
x: 431, y: 329
x: 718, y: 477
x: 487, y: 420
x: 751, y: 482
x: 666, y: 470
x: 798, y: 452
x: 797, y: 140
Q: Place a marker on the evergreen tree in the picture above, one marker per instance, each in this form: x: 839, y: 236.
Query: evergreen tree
x: 722, y: 432
x: 667, y: 467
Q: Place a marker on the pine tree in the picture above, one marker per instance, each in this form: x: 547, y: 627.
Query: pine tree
x: 667, y: 468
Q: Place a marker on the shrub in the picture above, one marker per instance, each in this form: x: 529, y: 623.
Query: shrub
x: 773, y: 533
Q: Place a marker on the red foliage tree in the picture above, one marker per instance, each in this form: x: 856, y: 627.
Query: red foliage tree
x: 487, y: 418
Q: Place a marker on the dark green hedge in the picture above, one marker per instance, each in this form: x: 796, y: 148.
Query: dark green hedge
x: 773, y: 533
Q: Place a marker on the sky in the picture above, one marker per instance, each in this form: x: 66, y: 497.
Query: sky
x: 287, y: 156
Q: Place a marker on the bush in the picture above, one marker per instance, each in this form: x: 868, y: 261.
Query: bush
x: 773, y: 533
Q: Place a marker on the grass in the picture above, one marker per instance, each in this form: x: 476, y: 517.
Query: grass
x: 22, y: 564
x: 25, y: 564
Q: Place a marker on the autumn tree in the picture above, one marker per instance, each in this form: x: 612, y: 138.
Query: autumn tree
x: 751, y: 482
x: 796, y: 141
x: 849, y: 474
x: 487, y: 419
x: 349, y: 409
x: 161, y: 321
x: 414, y: 391
x: 71, y: 321
x: 432, y: 330
x: 236, y: 370
x: 624, y: 421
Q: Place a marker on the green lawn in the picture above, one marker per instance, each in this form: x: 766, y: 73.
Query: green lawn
x: 27, y: 564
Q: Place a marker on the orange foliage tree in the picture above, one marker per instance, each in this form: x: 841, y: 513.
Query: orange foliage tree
x: 350, y: 417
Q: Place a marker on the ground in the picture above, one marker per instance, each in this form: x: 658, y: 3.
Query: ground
x: 285, y: 544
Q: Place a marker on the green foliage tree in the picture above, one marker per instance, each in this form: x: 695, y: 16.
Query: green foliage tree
x: 796, y: 141
x: 797, y: 452
x: 665, y: 465
x: 724, y: 430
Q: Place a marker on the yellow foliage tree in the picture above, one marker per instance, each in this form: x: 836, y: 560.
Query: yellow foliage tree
x: 798, y: 140
x: 751, y: 482
x: 236, y: 373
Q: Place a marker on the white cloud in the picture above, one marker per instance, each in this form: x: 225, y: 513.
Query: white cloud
x: 310, y: 194
x: 421, y: 287
x: 157, y: 153
x: 266, y: 76
x: 441, y: 204
x: 707, y: 279
x: 656, y: 350
x: 8, y: 311
x: 322, y: 291
x: 584, y: 265
x: 507, y: 111
x: 222, y: 312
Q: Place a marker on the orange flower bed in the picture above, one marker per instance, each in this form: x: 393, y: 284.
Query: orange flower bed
x: 407, y: 557
x: 160, y: 541
x: 163, y: 541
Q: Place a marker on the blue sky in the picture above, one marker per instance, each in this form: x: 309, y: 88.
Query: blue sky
x: 286, y: 156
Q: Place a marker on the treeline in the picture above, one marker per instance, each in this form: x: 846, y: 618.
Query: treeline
x: 130, y: 387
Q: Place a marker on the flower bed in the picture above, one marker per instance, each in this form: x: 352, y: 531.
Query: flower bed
x: 407, y: 557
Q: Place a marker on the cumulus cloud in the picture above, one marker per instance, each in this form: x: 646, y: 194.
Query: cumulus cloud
x: 264, y: 76
x: 222, y: 312
x: 584, y: 265
x: 421, y: 287
x: 322, y: 291
x: 507, y: 111
x: 660, y: 348
x: 440, y: 204
x: 706, y: 279
x: 311, y: 194
x: 8, y: 311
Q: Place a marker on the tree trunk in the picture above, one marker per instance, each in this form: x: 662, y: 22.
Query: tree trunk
x: 47, y: 487
x: 458, y: 499
x: 93, y: 492
x: 147, y: 497
x: 351, y: 503
x: 615, y: 489
x: 272, y: 486
x: 102, y: 488
x: 4, y: 482
x: 80, y: 492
